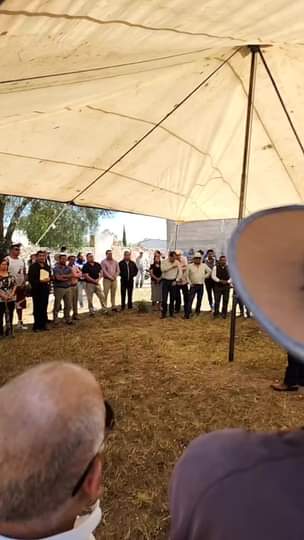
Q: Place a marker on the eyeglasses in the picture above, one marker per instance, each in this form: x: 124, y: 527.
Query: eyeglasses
x: 110, y: 422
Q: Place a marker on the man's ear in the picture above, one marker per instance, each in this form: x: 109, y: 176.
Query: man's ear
x: 92, y: 485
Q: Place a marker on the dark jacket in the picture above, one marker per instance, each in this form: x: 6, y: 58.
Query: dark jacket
x: 34, y: 276
x: 124, y: 274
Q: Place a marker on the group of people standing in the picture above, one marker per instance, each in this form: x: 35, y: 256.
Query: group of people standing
x: 174, y: 281
x: 175, y: 277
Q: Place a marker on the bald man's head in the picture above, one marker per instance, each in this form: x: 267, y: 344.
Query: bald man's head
x: 52, y: 424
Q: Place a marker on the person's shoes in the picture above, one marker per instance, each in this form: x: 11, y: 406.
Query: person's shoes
x: 130, y: 307
x: 216, y: 315
x: 69, y: 322
x: 56, y: 321
x: 163, y: 316
x: 92, y: 314
x: 197, y: 313
x: 45, y: 329
x: 20, y: 326
x: 186, y: 317
x: 115, y: 309
x: 122, y: 308
x: 172, y: 315
x: 224, y: 316
x: 281, y: 387
x: 76, y: 318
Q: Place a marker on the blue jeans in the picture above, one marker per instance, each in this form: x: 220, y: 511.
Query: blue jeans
x: 196, y: 291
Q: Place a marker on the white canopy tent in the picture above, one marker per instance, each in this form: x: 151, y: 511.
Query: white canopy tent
x: 98, y: 104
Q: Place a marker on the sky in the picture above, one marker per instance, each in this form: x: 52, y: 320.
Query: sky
x: 138, y: 227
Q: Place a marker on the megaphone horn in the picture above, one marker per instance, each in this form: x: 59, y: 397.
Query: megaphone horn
x: 266, y: 262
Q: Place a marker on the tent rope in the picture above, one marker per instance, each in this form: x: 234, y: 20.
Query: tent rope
x: 150, y: 131
x: 277, y: 91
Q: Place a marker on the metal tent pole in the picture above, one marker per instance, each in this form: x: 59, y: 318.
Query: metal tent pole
x: 254, y: 49
x: 176, y: 234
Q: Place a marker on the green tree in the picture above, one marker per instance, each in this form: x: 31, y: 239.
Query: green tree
x: 124, y: 237
x: 34, y: 217
x: 11, y: 211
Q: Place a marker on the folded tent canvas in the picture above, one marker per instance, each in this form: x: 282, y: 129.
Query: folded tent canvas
x: 89, y: 104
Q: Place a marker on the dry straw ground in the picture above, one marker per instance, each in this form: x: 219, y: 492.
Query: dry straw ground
x: 168, y: 382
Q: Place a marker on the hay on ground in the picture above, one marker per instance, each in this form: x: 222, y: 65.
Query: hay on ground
x: 168, y: 381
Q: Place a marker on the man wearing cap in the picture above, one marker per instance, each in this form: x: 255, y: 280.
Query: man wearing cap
x: 110, y: 271
x: 182, y: 284
x: 197, y: 273
x: 171, y: 274
x: 17, y: 269
x: 128, y: 271
x: 221, y: 277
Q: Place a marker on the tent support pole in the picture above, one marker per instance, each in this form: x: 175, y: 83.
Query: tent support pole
x: 254, y: 49
x: 176, y: 234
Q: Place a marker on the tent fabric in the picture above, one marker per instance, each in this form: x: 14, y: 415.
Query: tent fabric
x: 81, y: 81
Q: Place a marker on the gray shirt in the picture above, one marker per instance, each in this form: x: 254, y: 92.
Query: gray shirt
x: 60, y: 270
x: 237, y: 485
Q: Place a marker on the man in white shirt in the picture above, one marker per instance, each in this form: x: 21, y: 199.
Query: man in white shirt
x: 110, y: 272
x: 171, y: 273
x: 197, y: 273
x: 17, y: 268
x: 53, y: 428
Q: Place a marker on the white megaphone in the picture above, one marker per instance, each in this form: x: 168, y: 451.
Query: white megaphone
x: 266, y: 263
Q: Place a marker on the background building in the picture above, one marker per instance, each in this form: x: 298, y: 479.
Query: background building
x: 214, y: 233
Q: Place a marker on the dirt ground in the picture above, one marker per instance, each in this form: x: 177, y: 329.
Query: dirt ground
x: 168, y: 382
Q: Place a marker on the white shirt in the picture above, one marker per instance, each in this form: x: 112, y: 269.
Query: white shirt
x: 83, y: 528
x: 17, y: 270
x: 183, y: 262
x: 197, y: 273
x: 214, y: 276
x: 170, y: 270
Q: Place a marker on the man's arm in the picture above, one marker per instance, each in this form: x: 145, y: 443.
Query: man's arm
x: 89, y: 279
x: 33, y: 275
x: 214, y: 276
x: 207, y: 271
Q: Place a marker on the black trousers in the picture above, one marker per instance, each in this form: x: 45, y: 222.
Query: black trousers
x: 178, y: 298
x: 209, y: 282
x: 127, y: 287
x: 40, y: 304
x: 294, y: 375
x: 196, y: 291
x: 221, y: 292
x: 6, y: 314
x: 168, y: 289
x: 241, y: 305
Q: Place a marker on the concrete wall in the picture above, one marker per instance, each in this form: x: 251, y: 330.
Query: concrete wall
x: 203, y: 235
